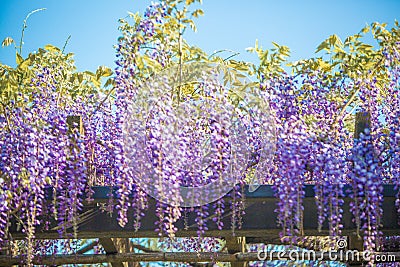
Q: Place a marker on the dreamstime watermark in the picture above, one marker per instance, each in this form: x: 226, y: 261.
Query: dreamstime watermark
x: 340, y: 254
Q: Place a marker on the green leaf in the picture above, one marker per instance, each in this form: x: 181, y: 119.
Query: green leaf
x: 103, y: 71
x: 107, y: 72
x: 96, y: 82
x: 69, y: 55
x: 334, y: 40
x: 132, y: 15
x: 89, y: 73
x: 323, y: 64
x: 323, y: 46
x: 197, y: 13
x: 7, y: 41
x: 80, y: 77
x: 109, y: 82
x: 32, y: 57
x: 25, y: 64
x: 276, y: 45
x: 349, y: 40
x: 52, y: 48
x: 365, y: 47
x: 250, y: 49
x: 19, y: 59
x: 191, y: 24
x: 365, y: 29
x: 180, y: 15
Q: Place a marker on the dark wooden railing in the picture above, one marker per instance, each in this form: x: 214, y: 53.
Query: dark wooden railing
x: 259, y: 225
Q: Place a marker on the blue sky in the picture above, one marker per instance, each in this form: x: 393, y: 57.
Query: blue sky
x: 227, y: 24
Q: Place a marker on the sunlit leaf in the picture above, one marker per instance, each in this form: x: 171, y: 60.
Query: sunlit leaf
x: 365, y: 29
x: 276, y: 45
x: 323, y: 46
x: 89, y: 73
x: 109, y: 82
x: 19, y: 59
x: 103, y: 71
x: 24, y: 64
x: 96, y: 82
x: 7, y: 41
x: 197, y: 13
x: 52, y: 48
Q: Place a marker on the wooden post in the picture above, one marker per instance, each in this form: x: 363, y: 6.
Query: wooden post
x: 124, y: 245
x: 75, y: 124
x: 363, y: 121
x: 5, y: 248
x: 355, y: 243
x: 118, y: 245
x: 236, y: 245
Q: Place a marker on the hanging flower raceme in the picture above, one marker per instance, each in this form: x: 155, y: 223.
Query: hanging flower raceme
x: 128, y: 50
x: 327, y: 163
x: 310, y: 148
x: 291, y: 154
x: 329, y: 176
x: 366, y: 190
x: 391, y: 111
x: 4, y: 208
x: 175, y: 147
x: 33, y: 146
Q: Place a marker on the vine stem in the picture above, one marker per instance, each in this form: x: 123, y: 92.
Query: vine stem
x: 24, y: 26
x: 231, y: 56
x: 102, y: 102
x: 180, y: 62
x: 343, y: 110
x: 65, y: 44
x: 354, y: 95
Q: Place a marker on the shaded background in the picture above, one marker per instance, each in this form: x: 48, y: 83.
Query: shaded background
x: 227, y: 24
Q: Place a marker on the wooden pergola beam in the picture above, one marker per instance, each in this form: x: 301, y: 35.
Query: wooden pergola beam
x: 110, y: 249
x: 269, y: 234
x: 259, y: 221
x: 114, y: 246
x: 87, y: 247
x: 180, y: 257
x: 234, y: 245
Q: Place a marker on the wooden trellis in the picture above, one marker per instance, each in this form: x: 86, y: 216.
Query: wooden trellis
x: 258, y: 226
